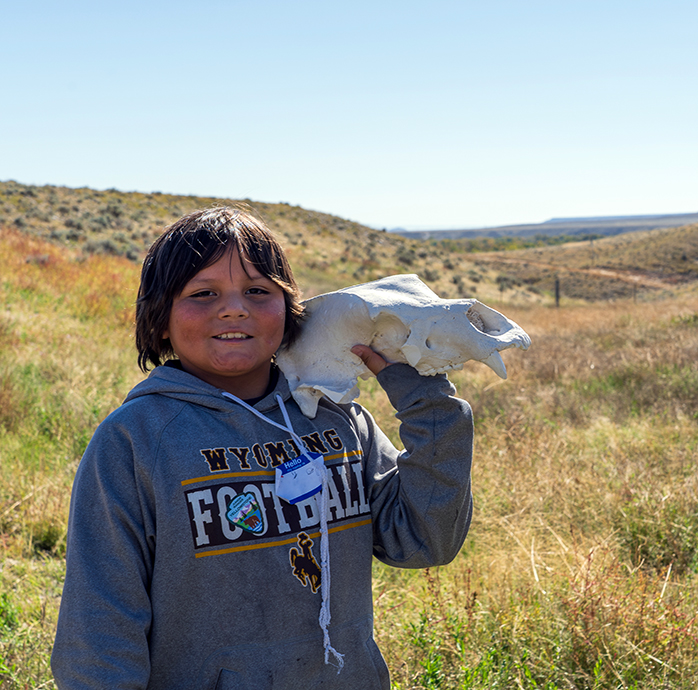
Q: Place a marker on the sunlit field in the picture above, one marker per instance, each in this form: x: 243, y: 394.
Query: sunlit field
x: 580, y: 567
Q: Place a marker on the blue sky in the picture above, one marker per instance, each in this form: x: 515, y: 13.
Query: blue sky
x: 420, y: 115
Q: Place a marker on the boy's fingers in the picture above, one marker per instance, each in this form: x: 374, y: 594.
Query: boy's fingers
x: 373, y: 361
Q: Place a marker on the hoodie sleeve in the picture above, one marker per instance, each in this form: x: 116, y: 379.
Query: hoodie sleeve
x: 105, y: 614
x: 421, y: 501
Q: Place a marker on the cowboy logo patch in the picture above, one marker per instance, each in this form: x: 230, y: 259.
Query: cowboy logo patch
x: 304, y: 565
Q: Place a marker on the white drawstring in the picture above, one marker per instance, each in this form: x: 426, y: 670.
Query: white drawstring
x: 279, y: 400
x: 325, y: 617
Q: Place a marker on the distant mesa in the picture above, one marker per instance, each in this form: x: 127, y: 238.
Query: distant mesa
x: 595, y: 225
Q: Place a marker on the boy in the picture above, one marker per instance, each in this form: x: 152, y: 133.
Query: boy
x: 185, y: 569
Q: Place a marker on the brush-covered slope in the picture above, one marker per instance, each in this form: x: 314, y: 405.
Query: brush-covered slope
x: 328, y: 252
x: 656, y: 263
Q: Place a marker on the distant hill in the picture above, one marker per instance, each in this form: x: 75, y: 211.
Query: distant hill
x: 660, y: 262
x: 599, y: 226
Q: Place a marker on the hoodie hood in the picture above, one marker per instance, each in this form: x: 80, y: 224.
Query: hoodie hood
x: 172, y: 382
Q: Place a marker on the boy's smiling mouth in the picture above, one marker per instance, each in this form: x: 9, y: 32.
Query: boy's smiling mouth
x: 232, y: 336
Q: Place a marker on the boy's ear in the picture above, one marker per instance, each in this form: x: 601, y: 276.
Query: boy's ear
x: 165, y: 334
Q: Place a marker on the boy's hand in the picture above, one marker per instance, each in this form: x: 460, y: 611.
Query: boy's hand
x: 373, y: 361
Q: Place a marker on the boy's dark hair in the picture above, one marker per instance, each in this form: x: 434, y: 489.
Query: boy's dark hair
x: 193, y: 243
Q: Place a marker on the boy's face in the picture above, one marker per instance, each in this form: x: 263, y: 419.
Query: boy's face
x: 226, y: 325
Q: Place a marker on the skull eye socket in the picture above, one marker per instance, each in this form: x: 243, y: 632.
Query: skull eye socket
x: 476, y: 319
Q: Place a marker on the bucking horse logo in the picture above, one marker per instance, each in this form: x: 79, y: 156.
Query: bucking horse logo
x: 304, y: 565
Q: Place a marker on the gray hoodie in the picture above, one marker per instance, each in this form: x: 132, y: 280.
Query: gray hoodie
x: 185, y: 570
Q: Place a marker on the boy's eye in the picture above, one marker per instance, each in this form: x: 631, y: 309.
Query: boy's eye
x: 203, y: 293
x: 257, y: 291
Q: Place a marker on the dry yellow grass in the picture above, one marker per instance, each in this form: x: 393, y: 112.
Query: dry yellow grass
x: 580, y: 569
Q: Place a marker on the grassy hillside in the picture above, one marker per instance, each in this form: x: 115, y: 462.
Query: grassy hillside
x: 328, y: 252
x: 580, y: 570
x: 651, y: 264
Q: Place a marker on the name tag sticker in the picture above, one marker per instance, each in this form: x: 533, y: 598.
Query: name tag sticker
x: 299, y: 478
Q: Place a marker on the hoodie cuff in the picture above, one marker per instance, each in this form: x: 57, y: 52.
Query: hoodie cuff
x: 404, y: 384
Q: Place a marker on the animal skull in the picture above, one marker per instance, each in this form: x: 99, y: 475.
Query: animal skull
x: 403, y: 320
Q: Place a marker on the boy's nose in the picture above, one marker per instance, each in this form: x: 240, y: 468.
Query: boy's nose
x: 233, y: 306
